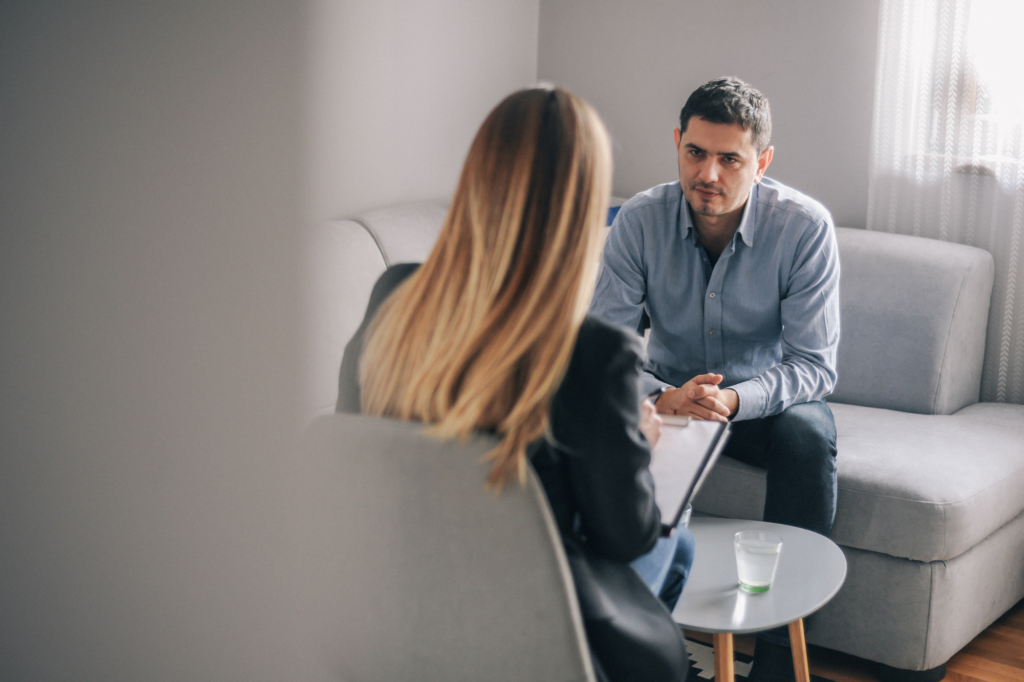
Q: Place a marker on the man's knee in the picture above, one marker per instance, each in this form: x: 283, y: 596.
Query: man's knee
x: 806, y: 430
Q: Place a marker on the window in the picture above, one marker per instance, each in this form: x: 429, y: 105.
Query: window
x: 947, y: 152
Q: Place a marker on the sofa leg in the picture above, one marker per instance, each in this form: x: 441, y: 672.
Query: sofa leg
x: 886, y: 673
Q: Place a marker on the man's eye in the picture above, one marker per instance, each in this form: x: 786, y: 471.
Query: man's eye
x: 730, y: 159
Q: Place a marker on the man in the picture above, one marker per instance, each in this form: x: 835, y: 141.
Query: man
x: 739, y: 276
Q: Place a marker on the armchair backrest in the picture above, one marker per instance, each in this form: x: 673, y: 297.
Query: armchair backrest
x: 414, y: 571
x: 913, y: 316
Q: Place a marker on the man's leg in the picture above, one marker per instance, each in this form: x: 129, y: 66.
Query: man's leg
x: 797, y: 449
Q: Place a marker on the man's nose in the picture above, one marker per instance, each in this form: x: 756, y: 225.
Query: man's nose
x: 708, y: 171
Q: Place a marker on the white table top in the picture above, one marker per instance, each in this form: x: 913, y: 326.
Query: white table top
x: 811, y: 570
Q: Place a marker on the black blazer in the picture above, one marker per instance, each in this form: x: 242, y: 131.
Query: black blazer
x: 594, y: 471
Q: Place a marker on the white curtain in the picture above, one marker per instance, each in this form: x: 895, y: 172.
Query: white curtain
x: 947, y: 154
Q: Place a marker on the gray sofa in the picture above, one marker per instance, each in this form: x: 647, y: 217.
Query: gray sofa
x: 931, y: 483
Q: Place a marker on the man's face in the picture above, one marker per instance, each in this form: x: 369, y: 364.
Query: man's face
x: 718, y: 165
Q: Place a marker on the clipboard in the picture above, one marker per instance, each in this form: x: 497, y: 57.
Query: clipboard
x: 681, y: 461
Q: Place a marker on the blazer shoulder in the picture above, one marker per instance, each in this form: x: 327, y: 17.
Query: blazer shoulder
x: 602, y: 340
x: 389, y: 281
x: 348, y: 376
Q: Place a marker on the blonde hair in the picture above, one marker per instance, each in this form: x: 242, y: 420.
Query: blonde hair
x: 480, y: 336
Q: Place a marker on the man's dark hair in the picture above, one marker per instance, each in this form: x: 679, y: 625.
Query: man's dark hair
x: 730, y: 100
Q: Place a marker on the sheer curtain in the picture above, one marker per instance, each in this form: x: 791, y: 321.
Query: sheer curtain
x: 947, y: 154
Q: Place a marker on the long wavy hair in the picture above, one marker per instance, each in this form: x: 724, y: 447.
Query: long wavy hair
x: 480, y: 336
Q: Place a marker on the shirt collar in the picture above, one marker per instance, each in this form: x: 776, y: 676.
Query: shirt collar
x: 748, y: 220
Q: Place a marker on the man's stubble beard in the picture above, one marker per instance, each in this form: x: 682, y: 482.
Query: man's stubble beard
x: 706, y: 212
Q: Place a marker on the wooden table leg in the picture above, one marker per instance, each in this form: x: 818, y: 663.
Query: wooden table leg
x: 725, y: 667
x: 798, y: 643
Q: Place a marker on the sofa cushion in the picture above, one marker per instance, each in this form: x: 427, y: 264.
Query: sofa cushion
x: 922, y: 487
x: 911, y: 308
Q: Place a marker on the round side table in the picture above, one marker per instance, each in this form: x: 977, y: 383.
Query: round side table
x: 811, y: 570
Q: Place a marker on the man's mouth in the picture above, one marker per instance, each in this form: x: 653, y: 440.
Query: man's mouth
x: 705, y: 193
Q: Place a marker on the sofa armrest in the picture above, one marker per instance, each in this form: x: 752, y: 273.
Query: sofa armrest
x: 914, y: 313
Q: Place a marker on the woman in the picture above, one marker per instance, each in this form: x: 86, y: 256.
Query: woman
x: 491, y: 333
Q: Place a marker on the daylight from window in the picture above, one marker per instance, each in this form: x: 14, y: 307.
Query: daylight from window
x: 995, y: 44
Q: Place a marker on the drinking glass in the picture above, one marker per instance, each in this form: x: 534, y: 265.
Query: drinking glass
x: 757, y: 557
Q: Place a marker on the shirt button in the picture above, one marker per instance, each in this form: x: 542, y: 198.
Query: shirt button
x: 712, y: 294
x: 712, y: 332
x: 714, y: 366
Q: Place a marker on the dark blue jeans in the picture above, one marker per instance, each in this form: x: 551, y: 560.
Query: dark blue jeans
x: 797, y: 449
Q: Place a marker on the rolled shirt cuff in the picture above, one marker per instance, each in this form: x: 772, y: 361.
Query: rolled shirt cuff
x: 753, y: 400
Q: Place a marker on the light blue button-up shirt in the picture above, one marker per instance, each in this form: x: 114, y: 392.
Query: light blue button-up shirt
x: 768, y: 316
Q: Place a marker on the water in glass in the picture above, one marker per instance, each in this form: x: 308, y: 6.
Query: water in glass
x: 757, y: 556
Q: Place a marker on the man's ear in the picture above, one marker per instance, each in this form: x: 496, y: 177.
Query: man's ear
x: 762, y: 163
x: 678, y: 136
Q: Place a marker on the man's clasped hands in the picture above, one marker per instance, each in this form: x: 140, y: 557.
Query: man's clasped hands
x: 700, y: 398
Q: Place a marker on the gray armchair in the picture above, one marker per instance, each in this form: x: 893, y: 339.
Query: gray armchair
x: 413, y: 571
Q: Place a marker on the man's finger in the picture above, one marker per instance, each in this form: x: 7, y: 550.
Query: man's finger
x: 715, y: 404
x: 713, y: 416
x: 708, y: 379
x: 702, y: 391
x: 700, y: 412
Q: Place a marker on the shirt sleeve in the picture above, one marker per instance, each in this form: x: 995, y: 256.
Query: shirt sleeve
x: 810, y: 334
x: 651, y: 383
x: 621, y: 289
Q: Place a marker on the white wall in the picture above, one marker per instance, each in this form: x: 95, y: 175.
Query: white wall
x: 397, y: 90
x: 159, y: 165
x: 637, y: 62
x: 149, y: 198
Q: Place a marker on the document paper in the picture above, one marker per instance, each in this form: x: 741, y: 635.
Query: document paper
x: 681, y: 461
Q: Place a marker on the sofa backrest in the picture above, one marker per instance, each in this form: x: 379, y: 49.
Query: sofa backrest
x: 342, y: 263
x: 913, y: 311
x: 913, y: 318
x: 411, y: 569
x: 344, y: 258
x: 405, y: 233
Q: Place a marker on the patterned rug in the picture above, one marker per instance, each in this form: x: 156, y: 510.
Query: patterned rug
x: 702, y: 656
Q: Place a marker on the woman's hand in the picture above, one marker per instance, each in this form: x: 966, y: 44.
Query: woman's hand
x: 650, y: 422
